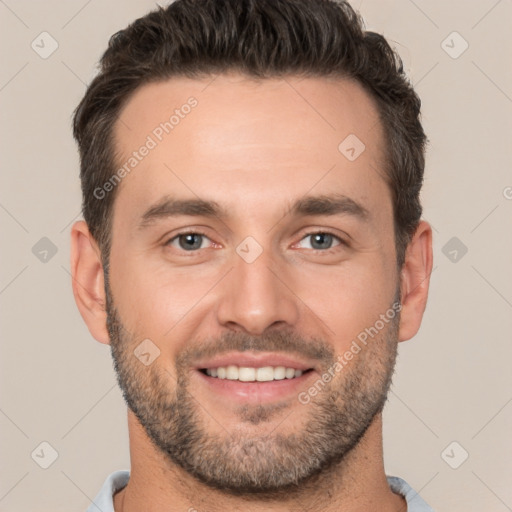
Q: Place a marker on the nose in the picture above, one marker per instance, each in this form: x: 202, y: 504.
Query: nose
x: 256, y: 295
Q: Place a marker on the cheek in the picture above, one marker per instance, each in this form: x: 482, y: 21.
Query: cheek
x: 152, y: 298
x: 348, y: 299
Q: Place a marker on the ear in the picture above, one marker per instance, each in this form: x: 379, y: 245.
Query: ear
x: 415, y: 280
x: 88, y: 281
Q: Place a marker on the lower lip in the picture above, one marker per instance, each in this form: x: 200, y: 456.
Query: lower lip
x: 256, y: 392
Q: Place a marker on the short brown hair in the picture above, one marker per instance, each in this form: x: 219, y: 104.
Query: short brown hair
x: 261, y: 39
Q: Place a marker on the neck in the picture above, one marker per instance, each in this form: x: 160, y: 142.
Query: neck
x: 357, y: 484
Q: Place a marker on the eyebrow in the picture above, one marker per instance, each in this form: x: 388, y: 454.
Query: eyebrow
x: 328, y: 204
x: 331, y: 204
x: 172, y: 207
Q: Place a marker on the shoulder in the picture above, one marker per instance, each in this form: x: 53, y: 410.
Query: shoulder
x: 104, y: 499
x: 415, y: 502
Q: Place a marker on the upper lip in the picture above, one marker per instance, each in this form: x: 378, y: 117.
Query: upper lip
x: 254, y: 360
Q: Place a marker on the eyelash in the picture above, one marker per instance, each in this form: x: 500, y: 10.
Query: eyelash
x: 311, y: 233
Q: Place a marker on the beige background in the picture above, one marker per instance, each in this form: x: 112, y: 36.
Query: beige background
x: 453, y: 380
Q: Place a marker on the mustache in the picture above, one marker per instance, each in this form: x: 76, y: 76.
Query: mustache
x: 274, y: 341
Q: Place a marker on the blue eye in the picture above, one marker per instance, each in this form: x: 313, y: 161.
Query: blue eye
x: 322, y: 240
x: 193, y: 241
x: 188, y: 241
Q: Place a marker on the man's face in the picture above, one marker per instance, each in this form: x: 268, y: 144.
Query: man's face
x: 271, y: 279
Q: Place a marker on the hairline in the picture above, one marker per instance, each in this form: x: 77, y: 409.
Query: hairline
x: 334, y: 75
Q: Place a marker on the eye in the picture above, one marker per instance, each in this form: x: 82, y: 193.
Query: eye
x: 321, y: 241
x: 190, y: 241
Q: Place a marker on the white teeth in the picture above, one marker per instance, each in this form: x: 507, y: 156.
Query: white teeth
x: 247, y: 374
x: 232, y: 372
x: 289, y: 373
x: 265, y: 374
x: 279, y: 373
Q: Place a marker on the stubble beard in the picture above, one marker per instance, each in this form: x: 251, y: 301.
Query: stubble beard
x: 238, y: 462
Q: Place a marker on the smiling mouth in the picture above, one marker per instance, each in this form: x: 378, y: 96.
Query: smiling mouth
x: 251, y: 374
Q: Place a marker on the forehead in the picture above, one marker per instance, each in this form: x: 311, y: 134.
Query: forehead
x: 245, y: 142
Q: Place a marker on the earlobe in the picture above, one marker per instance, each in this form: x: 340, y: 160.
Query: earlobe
x: 88, y: 281
x: 415, y: 280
